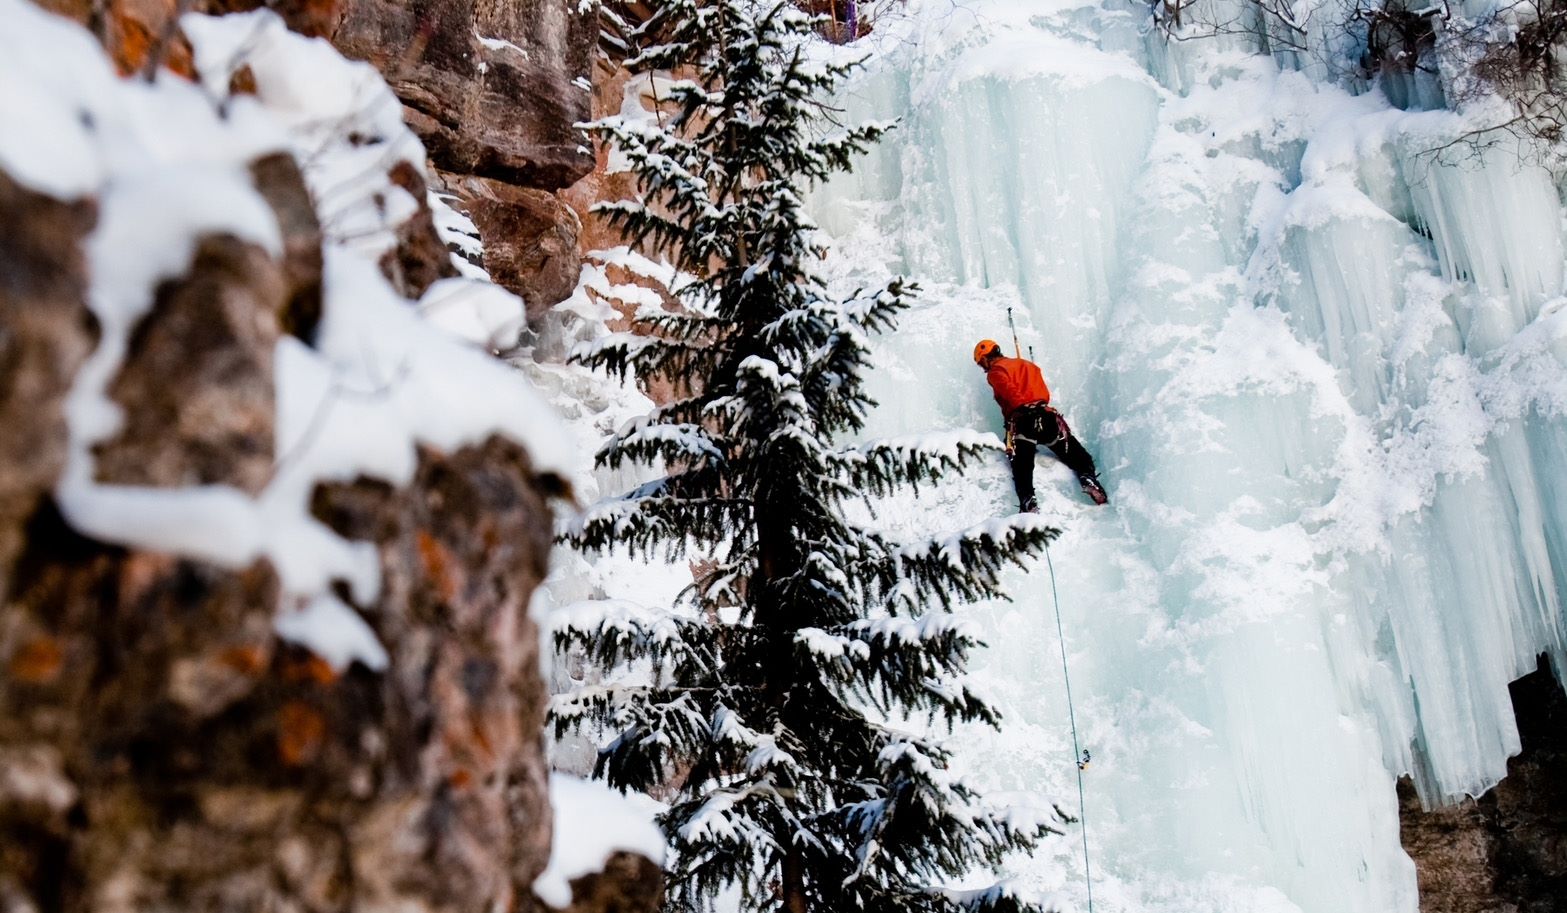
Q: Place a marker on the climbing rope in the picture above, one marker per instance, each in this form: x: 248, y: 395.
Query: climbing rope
x: 1079, y: 757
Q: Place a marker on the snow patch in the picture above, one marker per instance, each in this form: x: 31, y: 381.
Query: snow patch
x: 334, y: 632
x: 592, y: 823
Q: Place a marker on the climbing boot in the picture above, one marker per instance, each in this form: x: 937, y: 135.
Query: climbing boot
x: 1031, y: 506
x: 1094, y: 490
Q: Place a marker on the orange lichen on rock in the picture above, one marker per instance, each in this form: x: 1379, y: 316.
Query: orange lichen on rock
x: 310, y: 668
x: 38, y: 662
x: 142, y: 572
x: 250, y: 659
x: 437, y: 562
x: 300, y: 733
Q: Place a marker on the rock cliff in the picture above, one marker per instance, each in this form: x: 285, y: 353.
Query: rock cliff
x: 1505, y: 852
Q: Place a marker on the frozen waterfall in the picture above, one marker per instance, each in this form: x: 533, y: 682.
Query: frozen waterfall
x: 1322, y: 370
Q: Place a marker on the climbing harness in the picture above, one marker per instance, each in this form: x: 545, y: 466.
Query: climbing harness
x: 1079, y: 754
x: 1063, y: 433
x: 1061, y: 429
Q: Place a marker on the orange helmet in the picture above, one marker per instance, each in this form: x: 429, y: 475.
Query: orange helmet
x: 985, y: 349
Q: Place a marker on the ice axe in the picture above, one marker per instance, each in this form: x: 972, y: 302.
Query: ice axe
x: 1018, y: 351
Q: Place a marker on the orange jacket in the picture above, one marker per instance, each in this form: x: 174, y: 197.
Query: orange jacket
x: 1016, y: 382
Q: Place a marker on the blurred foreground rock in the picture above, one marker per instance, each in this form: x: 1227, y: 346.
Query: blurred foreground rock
x: 161, y: 748
x: 628, y: 884
x: 46, y: 332
x: 493, y: 90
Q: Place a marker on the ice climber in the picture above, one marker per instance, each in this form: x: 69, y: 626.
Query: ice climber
x: 1020, y: 391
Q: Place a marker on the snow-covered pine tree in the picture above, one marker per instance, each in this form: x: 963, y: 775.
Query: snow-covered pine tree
x: 781, y: 707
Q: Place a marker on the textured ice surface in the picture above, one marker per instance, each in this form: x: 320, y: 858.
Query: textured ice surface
x: 1322, y: 371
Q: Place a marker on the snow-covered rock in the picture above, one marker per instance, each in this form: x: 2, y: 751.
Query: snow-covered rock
x: 271, y: 529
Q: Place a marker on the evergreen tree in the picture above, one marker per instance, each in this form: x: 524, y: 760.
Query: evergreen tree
x: 777, y: 708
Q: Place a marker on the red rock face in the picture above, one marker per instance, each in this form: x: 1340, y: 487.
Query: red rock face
x: 1505, y: 852
x: 530, y: 238
x: 609, y: 92
x: 495, y: 91
x: 489, y: 85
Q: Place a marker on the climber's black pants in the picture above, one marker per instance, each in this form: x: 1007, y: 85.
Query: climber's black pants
x: 1036, y: 425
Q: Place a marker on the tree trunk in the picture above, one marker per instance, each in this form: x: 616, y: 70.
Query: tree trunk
x: 794, y: 881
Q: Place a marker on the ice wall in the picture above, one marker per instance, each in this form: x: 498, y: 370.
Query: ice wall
x: 1322, y: 368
